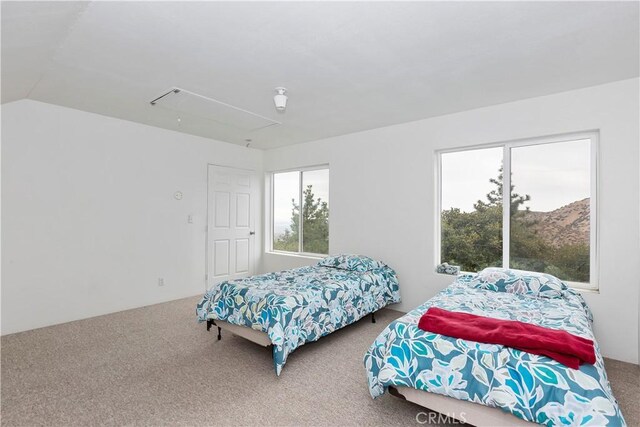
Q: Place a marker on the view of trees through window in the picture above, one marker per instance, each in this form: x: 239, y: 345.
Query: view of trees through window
x: 315, y: 211
x: 549, y: 212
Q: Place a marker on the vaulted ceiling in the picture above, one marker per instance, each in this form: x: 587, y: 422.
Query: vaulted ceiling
x: 348, y: 66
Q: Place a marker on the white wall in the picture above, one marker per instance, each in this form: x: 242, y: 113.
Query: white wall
x: 89, y: 222
x: 382, y: 193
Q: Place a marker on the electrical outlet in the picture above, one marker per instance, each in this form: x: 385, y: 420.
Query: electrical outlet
x: 190, y: 219
x: 161, y: 281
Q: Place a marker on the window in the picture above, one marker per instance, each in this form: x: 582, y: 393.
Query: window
x: 546, y: 220
x: 298, y: 230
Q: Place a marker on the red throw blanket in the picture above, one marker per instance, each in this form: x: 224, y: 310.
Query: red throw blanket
x: 562, y: 346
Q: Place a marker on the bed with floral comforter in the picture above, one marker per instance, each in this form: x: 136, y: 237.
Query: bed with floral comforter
x: 304, y: 304
x: 533, y: 388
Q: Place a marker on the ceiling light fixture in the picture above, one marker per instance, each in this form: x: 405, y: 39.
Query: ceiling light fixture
x: 280, y: 99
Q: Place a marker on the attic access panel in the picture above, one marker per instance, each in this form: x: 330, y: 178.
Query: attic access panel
x: 190, y: 103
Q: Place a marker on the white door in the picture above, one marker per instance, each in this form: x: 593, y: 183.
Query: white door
x: 231, y: 233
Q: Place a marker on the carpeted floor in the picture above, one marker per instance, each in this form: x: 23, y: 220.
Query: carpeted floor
x: 156, y: 366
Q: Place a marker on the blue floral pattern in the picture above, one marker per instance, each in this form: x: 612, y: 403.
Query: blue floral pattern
x: 531, y: 387
x: 301, y: 305
x: 351, y: 262
x: 519, y: 282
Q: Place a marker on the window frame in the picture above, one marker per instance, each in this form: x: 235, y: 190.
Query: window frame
x: 271, y: 206
x: 594, y: 249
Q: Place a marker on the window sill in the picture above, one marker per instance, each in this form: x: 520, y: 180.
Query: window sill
x: 296, y: 254
x: 449, y: 275
x: 585, y: 290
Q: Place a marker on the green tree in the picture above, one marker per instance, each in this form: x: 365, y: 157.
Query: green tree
x: 472, y: 240
x: 495, y: 196
x: 315, y: 224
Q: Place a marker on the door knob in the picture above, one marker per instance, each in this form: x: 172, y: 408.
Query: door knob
x: 251, y: 233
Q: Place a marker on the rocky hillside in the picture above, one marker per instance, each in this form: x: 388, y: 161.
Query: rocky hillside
x: 566, y: 225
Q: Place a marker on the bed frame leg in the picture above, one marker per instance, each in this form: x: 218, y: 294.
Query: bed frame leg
x: 210, y: 323
x: 373, y: 318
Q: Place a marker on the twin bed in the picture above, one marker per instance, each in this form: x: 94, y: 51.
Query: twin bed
x: 289, y: 308
x: 482, y: 384
x: 424, y: 367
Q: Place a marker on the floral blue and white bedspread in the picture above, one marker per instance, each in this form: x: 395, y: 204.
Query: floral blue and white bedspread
x: 300, y: 305
x: 531, y: 387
